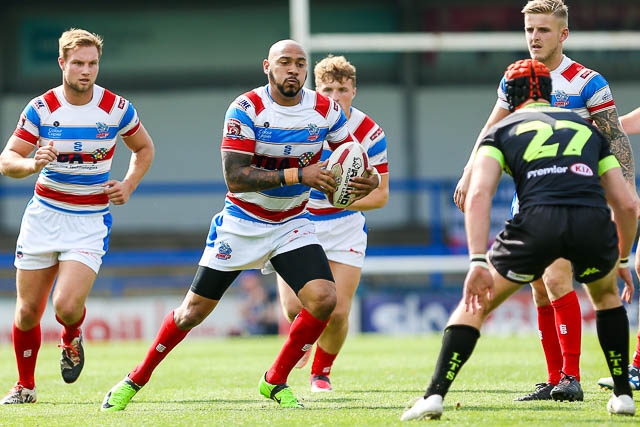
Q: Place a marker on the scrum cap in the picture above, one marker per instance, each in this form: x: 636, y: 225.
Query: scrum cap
x: 527, y: 79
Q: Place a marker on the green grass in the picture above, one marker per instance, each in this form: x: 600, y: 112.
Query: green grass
x: 214, y: 383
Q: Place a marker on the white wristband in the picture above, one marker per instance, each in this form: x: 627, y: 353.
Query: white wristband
x: 478, y: 260
x: 624, y: 263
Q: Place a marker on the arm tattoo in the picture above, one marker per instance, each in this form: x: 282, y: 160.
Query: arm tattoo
x: 241, y: 176
x: 609, y: 125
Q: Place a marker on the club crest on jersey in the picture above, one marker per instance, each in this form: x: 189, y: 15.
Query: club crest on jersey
x: 305, y: 159
x: 103, y: 130
x: 234, y: 128
x: 314, y: 132
x: 224, y: 251
x: 100, y: 153
x: 561, y: 99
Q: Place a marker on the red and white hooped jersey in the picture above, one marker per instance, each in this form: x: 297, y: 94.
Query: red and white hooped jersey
x: 280, y: 137
x: 85, y: 137
x: 372, y: 137
x: 575, y: 87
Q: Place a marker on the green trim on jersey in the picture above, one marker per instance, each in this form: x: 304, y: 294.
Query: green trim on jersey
x: 606, y: 164
x: 488, y: 150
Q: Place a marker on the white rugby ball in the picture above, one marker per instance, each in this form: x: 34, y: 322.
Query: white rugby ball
x: 347, y: 161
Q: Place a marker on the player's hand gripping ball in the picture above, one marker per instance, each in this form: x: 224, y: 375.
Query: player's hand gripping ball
x: 347, y: 161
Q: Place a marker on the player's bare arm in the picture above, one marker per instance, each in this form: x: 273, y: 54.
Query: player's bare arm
x: 626, y: 222
x: 241, y: 176
x: 608, y: 123
x: 16, y: 163
x: 376, y: 199
x: 142, y: 154
x: 363, y: 186
x: 631, y: 122
x: 498, y: 113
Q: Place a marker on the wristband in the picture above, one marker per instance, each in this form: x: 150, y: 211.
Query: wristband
x: 291, y: 176
x: 299, y: 175
x: 624, y: 263
x: 283, y: 182
x: 478, y: 260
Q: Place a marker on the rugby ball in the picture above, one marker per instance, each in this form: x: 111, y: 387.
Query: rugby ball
x: 347, y: 161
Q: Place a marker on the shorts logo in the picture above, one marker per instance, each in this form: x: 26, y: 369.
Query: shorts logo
x: 589, y: 271
x: 224, y: 251
x: 519, y: 277
x: 305, y: 158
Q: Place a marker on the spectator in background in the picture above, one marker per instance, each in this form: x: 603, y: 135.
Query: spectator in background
x: 342, y: 232
x: 259, y: 307
x: 73, y: 130
x: 564, y: 189
x: 586, y: 92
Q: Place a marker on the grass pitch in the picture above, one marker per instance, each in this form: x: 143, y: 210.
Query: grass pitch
x: 215, y: 383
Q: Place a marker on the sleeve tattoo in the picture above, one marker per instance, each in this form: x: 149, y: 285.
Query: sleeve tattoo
x: 609, y: 124
x: 241, y: 176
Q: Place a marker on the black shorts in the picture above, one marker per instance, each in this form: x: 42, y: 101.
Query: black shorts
x: 536, y: 237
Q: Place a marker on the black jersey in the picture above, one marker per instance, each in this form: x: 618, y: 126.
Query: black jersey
x: 554, y: 156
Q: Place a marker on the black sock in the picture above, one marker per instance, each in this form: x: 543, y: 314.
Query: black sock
x: 458, y: 343
x: 613, y: 333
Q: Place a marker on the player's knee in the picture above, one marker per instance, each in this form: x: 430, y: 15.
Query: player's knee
x: 187, y: 318
x: 319, y: 298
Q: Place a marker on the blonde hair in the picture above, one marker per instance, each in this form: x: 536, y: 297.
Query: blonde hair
x: 556, y: 8
x: 334, y: 69
x: 75, y: 37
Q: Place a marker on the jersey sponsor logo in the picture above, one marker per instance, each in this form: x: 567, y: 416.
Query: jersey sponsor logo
x: 305, y: 159
x: 224, y: 251
x: 546, y: 171
x: 519, y: 277
x: 314, y: 132
x: 121, y: 104
x: 22, y: 121
x: 100, y: 153
x: 103, y: 130
x: 54, y: 133
x: 233, y: 129
x: 264, y: 134
x: 581, y: 169
x: 589, y: 271
x: 586, y: 73
x: 243, y: 104
x: 376, y: 134
x: 39, y: 103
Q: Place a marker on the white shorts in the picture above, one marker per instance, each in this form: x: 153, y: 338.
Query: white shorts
x: 344, y: 239
x: 238, y: 244
x: 48, y: 236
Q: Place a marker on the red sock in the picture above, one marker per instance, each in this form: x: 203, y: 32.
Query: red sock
x: 305, y: 330
x: 636, y: 355
x: 167, y: 338
x: 550, y: 343
x: 69, y: 332
x: 322, y: 362
x: 569, y: 327
x: 26, y: 345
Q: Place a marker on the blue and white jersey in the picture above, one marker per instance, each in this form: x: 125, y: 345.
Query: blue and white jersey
x: 280, y: 137
x: 372, y: 137
x: 575, y: 87
x: 85, y: 137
